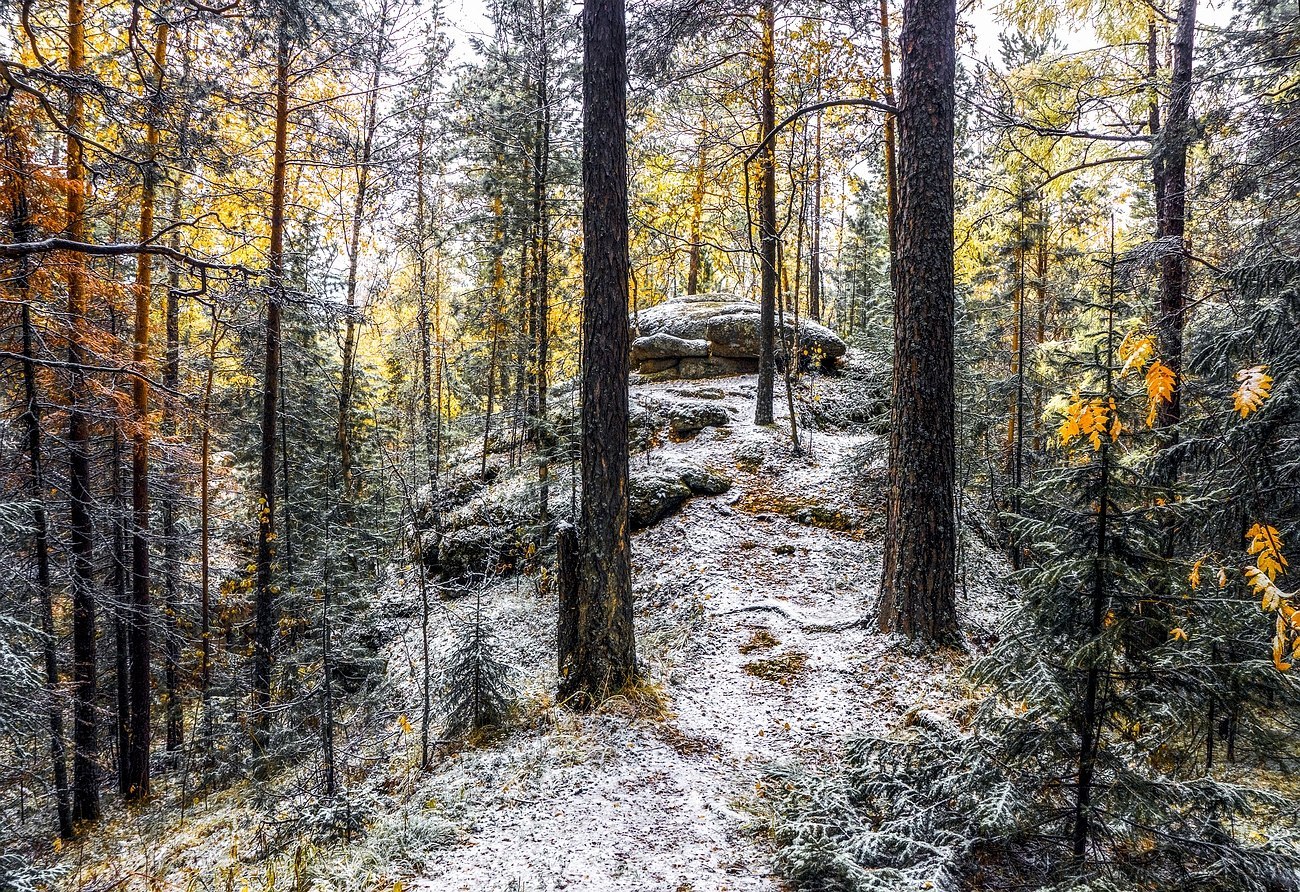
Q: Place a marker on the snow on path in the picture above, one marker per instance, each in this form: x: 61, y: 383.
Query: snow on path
x: 622, y: 801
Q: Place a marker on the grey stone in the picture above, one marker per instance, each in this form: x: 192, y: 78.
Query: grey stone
x: 705, y: 482
x: 730, y: 326
x: 715, y: 367
x: 652, y: 366
x: 688, y: 419
x: 662, y: 345
x: 658, y: 491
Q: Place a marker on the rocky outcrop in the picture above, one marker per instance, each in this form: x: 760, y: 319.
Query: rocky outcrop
x: 716, y: 335
x: 660, y: 490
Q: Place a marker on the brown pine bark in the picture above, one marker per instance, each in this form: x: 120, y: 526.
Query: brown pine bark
x: 601, y: 655
x: 542, y: 261
x: 1172, y: 146
x: 369, y: 128
x: 917, y: 587
x: 815, y: 236
x: 265, y: 620
x: 172, y: 704
x: 85, y: 726
x: 767, y: 234
x: 137, y: 762
x: 18, y: 160
x: 891, y: 167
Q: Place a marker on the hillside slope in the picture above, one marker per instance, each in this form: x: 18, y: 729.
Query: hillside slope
x: 754, y: 625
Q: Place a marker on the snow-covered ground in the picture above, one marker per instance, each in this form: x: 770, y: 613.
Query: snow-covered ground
x: 754, y: 615
x: 755, y: 624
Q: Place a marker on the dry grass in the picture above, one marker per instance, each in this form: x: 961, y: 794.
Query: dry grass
x: 762, y: 639
x: 782, y: 669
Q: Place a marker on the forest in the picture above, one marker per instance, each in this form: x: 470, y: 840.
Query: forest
x: 687, y: 445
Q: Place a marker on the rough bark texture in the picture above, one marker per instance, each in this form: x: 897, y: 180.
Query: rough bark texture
x: 891, y: 168
x: 170, y: 510
x: 815, y: 246
x: 265, y: 622
x: 767, y: 220
x: 542, y: 261
x: 1172, y: 221
x: 41, y: 539
x: 697, y: 214
x: 917, y: 587
x: 137, y: 762
x: 85, y: 729
x: 602, y: 656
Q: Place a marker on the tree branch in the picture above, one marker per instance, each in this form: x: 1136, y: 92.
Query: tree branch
x: 809, y: 109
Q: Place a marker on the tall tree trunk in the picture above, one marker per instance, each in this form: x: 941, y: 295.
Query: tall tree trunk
x: 171, y: 536
x: 602, y: 653
x: 205, y: 513
x: 815, y: 236
x: 1088, y: 719
x: 137, y: 762
x: 20, y: 227
x: 123, y: 609
x: 85, y: 726
x: 917, y: 587
x: 542, y: 263
x: 891, y: 150
x: 369, y: 127
x: 265, y: 621
x: 697, y: 214
x: 767, y: 217
x: 1173, y: 265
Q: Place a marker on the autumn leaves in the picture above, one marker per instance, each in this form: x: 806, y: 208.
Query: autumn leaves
x: 1097, y: 419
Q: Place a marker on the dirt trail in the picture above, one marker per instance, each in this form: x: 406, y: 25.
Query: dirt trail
x: 751, y: 615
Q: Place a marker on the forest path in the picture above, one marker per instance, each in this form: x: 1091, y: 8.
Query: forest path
x: 753, y: 614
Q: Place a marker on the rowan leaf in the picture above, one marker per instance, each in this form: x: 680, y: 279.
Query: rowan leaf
x: 1160, y: 389
x: 1253, y: 388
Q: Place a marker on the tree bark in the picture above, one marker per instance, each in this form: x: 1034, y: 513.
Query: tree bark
x: 85, y: 733
x: 369, y: 127
x: 171, y: 541
x: 602, y: 656
x: 697, y: 214
x: 917, y: 587
x: 891, y: 167
x: 767, y: 217
x: 265, y: 621
x: 20, y: 226
x: 137, y: 763
x: 542, y: 262
x: 1173, y: 144
x: 815, y: 236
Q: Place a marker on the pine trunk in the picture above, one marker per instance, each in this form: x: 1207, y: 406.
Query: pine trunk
x: 265, y: 621
x: 85, y: 725
x: 767, y: 218
x: 601, y: 657
x: 1173, y: 220
x: 917, y: 589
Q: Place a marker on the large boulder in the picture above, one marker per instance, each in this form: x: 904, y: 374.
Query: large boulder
x: 657, y: 491
x: 716, y: 335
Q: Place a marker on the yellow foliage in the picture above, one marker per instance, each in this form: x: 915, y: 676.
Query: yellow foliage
x: 1160, y: 389
x: 1135, y: 352
x: 1254, y: 386
x: 1266, y: 544
x: 1090, y: 418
